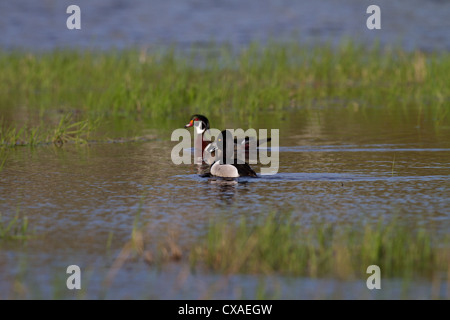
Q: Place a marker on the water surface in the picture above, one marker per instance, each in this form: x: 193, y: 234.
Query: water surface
x: 106, y: 24
x: 75, y: 197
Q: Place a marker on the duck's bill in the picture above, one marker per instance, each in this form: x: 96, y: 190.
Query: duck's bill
x: 190, y: 124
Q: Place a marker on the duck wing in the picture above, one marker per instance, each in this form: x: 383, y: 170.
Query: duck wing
x: 245, y: 170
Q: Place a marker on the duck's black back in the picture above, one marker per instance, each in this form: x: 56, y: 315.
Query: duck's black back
x: 245, y: 170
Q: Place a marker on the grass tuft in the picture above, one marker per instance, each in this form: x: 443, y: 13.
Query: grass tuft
x: 65, y: 131
x: 15, y: 229
x: 276, y: 245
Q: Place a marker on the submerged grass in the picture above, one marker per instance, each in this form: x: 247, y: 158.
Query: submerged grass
x: 277, y: 245
x: 15, y: 229
x: 228, y: 84
x: 65, y: 131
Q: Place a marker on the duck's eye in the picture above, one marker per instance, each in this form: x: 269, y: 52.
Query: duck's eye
x: 220, y: 140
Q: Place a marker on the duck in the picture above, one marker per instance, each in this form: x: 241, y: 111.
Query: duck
x: 201, y: 125
x: 227, y: 166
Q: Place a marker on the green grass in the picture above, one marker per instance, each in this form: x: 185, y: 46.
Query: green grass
x: 65, y: 131
x: 3, y: 158
x: 15, y: 229
x: 37, y: 88
x: 277, y: 245
x: 273, y: 245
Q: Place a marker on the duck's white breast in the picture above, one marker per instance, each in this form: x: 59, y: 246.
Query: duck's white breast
x: 224, y: 170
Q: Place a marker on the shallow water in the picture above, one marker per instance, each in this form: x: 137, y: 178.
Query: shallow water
x: 337, y: 166
x: 76, y: 197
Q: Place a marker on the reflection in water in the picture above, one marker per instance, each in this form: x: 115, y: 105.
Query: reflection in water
x: 224, y: 188
x: 202, y: 169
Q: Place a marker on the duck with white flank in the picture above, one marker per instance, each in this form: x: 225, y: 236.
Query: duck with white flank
x: 227, y: 164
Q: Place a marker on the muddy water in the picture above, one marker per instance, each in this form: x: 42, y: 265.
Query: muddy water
x: 77, y: 197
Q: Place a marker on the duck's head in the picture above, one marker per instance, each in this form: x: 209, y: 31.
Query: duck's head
x: 201, y: 123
